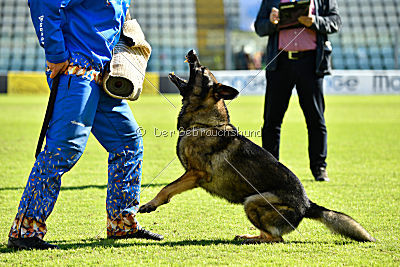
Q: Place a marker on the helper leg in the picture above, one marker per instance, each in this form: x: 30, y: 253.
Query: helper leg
x: 66, y: 139
x: 116, y: 129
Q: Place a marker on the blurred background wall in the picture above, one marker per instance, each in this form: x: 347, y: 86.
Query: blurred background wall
x: 222, y: 33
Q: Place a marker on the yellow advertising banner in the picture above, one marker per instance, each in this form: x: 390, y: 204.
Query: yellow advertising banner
x: 27, y: 83
x: 151, y: 84
x: 35, y: 83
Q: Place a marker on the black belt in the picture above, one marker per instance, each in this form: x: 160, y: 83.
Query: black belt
x: 295, y: 55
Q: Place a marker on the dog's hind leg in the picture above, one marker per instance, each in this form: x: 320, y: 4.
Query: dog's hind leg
x: 186, y: 182
x: 272, y: 216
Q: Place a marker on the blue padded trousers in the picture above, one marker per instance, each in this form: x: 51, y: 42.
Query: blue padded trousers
x: 82, y: 107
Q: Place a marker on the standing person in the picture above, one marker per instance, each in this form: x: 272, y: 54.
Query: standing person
x: 304, y: 59
x: 78, y: 37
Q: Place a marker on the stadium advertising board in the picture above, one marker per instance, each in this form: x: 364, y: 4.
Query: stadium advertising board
x: 341, y: 82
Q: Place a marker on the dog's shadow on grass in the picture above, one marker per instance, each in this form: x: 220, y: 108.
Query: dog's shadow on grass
x: 119, y: 243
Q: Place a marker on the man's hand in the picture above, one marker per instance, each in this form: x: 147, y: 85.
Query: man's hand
x: 57, y: 68
x: 274, y: 16
x: 307, y: 20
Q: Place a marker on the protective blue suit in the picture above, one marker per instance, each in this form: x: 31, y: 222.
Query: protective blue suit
x: 80, y: 30
x: 83, y: 32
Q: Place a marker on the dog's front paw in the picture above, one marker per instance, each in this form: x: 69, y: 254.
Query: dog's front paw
x: 146, y: 208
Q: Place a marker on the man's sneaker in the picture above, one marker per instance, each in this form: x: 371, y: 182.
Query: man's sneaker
x: 29, y: 243
x: 320, y: 174
x: 141, y: 233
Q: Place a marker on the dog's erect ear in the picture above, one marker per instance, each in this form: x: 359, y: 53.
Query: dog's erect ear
x: 224, y: 91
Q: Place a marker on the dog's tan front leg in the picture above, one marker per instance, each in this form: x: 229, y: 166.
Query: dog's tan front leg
x: 186, y: 182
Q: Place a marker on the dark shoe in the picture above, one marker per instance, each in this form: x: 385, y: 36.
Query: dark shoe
x: 29, y: 243
x: 320, y: 174
x: 141, y: 233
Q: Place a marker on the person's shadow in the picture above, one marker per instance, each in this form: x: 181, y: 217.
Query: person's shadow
x: 86, y: 243
x: 81, y: 187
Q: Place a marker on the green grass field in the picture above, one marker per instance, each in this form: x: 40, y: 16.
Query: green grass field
x: 364, y: 155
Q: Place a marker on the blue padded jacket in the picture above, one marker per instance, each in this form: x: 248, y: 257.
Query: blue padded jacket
x: 83, y: 31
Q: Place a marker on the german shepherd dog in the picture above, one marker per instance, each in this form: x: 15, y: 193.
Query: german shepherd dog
x: 217, y: 158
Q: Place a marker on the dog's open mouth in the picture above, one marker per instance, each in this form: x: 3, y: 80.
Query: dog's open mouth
x: 193, y: 61
x: 180, y: 83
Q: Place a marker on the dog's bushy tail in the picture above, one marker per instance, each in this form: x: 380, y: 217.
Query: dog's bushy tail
x: 339, y: 223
